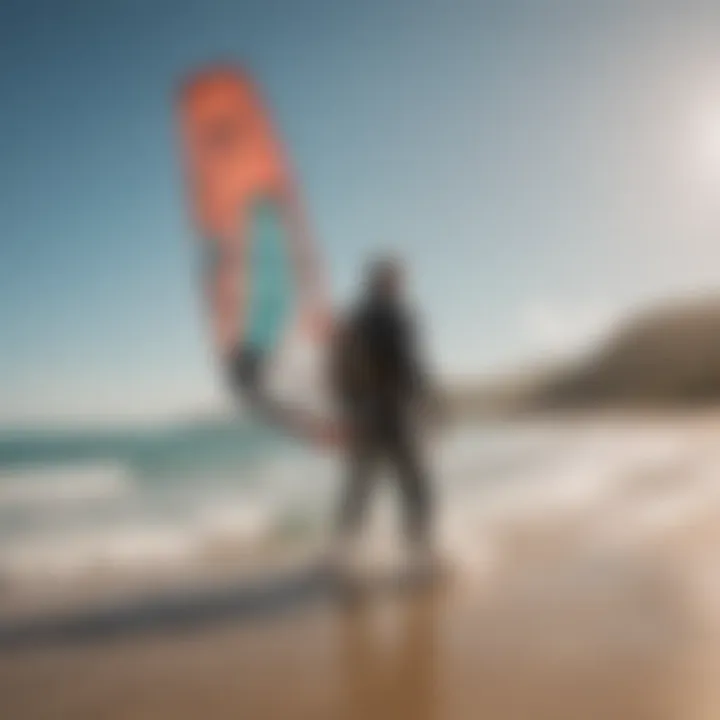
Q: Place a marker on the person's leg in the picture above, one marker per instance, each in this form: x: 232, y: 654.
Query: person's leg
x: 415, y: 488
x: 353, y: 503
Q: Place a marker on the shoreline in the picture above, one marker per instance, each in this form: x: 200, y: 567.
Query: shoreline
x: 580, y: 595
x: 562, y: 629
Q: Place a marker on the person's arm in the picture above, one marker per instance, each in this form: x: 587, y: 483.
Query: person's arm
x: 342, y: 371
x: 412, y: 359
x: 422, y: 385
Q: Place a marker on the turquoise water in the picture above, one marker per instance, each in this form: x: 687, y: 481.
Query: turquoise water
x: 72, y: 502
x: 74, y: 497
x: 149, y: 454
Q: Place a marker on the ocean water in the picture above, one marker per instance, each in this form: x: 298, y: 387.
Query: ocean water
x: 72, y: 501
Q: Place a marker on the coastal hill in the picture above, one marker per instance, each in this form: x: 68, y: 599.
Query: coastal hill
x: 668, y: 355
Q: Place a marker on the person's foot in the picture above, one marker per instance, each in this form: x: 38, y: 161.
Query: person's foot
x: 340, y: 556
x: 427, y: 565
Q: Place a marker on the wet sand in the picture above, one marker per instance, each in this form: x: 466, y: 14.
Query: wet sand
x: 607, y: 609
x: 563, y: 629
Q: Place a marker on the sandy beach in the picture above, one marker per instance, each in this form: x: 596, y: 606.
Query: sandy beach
x: 604, y: 607
x: 561, y: 638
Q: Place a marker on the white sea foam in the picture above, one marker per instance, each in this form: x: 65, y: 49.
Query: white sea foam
x: 487, y: 480
x: 62, y: 484
x: 132, y: 545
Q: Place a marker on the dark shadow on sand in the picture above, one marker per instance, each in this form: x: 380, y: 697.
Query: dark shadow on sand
x: 172, y: 611
x: 182, y: 610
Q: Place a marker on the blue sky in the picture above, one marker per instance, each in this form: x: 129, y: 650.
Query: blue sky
x: 544, y: 166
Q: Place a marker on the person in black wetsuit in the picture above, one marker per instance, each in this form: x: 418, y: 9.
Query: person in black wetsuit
x: 381, y: 386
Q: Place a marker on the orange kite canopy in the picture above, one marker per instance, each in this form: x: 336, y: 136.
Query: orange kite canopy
x: 232, y: 154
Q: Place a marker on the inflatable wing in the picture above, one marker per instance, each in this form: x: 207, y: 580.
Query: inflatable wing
x: 260, y: 270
